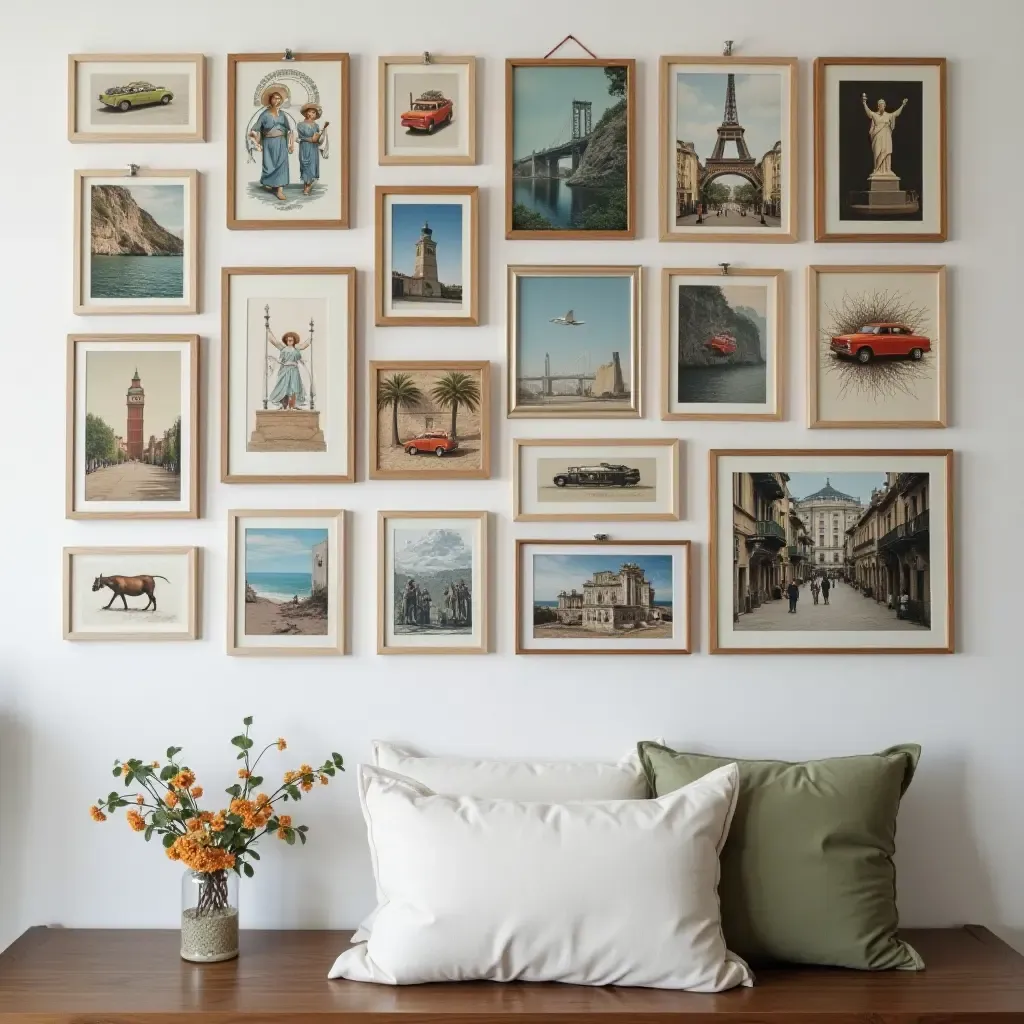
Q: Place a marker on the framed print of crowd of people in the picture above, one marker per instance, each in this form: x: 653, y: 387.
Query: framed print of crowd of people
x: 288, y: 124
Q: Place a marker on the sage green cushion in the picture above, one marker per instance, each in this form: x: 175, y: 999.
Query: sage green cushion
x: 807, y: 871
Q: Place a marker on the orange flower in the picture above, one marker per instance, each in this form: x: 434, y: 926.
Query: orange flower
x: 172, y: 852
x: 306, y: 787
x: 217, y: 823
x: 205, y: 817
x: 154, y: 764
x: 171, y: 798
x: 201, y: 857
x: 291, y: 777
x: 194, y: 824
x: 305, y: 769
x: 96, y: 814
x: 196, y: 791
x: 285, y: 821
x: 281, y: 833
x: 183, y: 779
x: 136, y: 821
x: 262, y: 800
x: 323, y: 780
x: 244, y: 773
x: 140, y: 799
x: 281, y: 745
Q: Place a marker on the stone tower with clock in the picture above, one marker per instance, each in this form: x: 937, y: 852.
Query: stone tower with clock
x: 136, y: 405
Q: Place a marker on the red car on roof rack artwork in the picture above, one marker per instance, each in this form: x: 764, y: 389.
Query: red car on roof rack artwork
x: 882, y: 339
x: 431, y: 111
x: 435, y: 441
x: 721, y: 344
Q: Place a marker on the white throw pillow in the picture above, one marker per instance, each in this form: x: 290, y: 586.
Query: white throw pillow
x: 617, y: 892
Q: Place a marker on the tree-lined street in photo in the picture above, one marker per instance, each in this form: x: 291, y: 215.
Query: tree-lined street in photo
x: 132, y: 481
x: 732, y: 216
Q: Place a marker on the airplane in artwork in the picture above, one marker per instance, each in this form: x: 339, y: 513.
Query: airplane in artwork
x: 568, y: 320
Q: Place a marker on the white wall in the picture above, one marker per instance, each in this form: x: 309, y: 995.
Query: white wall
x: 66, y: 710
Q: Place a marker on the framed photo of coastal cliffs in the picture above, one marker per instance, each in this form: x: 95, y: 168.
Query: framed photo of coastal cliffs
x: 287, y: 375
x: 132, y: 426
x: 136, y: 242
x: 570, y: 149
x: 286, y: 582
x: 288, y: 140
x: 728, y: 152
x: 722, y: 344
x: 880, y: 149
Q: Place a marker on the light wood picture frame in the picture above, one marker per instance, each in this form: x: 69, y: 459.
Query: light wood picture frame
x: 141, y: 475
x: 596, y: 479
x: 436, y: 587
x: 877, y: 347
x: 602, y: 596
x: 762, y: 177
x: 274, y: 552
x: 316, y: 442
x: 880, y: 581
x: 585, y: 314
x: 317, y: 80
x: 452, y: 112
x: 172, y: 110
x: 159, y: 212
x: 880, y: 160
x: 171, y: 609
x: 708, y: 365
x: 546, y: 209
x: 422, y: 399
x: 411, y: 256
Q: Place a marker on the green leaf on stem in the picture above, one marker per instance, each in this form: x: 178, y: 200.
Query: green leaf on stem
x: 247, y: 721
x: 293, y: 792
x: 117, y: 772
x: 171, y: 751
x: 253, y: 854
x: 302, y: 837
x: 238, y: 741
x: 256, y: 780
x: 338, y: 760
x: 167, y: 772
x: 247, y: 868
x: 149, y: 832
x: 168, y: 840
x: 289, y: 837
x: 303, y: 828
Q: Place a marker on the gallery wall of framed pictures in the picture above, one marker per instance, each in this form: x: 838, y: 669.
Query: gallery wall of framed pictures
x: 345, y: 370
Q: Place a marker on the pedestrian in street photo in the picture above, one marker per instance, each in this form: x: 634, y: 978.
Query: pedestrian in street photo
x: 815, y: 590
x: 904, y: 604
x: 825, y: 587
x: 793, y: 593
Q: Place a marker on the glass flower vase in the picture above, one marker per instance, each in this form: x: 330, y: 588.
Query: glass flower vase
x: 209, y: 916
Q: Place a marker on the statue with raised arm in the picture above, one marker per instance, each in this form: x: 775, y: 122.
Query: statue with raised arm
x: 883, y: 124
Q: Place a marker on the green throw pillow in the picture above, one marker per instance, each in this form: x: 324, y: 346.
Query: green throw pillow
x: 807, y: 871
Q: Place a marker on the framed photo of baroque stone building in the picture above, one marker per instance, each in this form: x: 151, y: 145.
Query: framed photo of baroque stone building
x: 570, y: 148
x: 880, y: 149
x: 727, y: 168
x: 602, y: 597
x: 431, y: 420
x: 426, y: 247
x: 287, y: 383
x: 831, y: 551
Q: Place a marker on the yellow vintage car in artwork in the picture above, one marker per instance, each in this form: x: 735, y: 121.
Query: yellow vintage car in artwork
x: 135, y: 94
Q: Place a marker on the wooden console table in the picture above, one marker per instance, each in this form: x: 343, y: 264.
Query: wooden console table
x: 58, y: 976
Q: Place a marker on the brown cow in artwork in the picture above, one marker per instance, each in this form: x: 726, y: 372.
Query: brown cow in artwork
x: 133, y: 586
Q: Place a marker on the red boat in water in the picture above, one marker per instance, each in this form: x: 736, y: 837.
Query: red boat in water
x: 723, y: 344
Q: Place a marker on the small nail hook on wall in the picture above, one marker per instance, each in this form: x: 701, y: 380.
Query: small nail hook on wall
x: 600, y: 536
x: 725, y: 268
x: 133, y: 170
x: 427, y: 59
x: 288, y: 55
x: 727, y: 49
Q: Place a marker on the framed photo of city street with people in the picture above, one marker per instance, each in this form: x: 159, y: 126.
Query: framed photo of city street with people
x: 431, y: 420
x: 286, y: 582
x: 876, y: 346
x: 602, y: 597
x: 595, y: 479
x: 287, y: 382
x: 842, y: 551
x: 132, y: 426
x: 136, y: 242
x: 723, y: 344
x: 432, y: 583
x: 570, y: 148
x: 574, y: 342
x: 728, y: 149
x: 426, y: 248
x: 288, y: 140
x: 880, y: 149
x: 426, y: 110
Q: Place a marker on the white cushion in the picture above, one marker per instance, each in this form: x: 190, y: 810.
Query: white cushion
x: 617, y: 892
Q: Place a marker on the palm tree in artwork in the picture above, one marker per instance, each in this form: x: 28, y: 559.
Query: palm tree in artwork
x: 454, y: 389
x: 398, y: 390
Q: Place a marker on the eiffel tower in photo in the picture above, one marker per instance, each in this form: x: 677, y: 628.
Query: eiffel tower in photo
x: 730, y: 130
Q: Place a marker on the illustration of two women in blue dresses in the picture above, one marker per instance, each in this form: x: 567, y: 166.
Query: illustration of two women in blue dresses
x: 273, y: 133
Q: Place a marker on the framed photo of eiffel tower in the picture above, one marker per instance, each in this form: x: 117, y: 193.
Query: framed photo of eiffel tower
x: 727, y: 167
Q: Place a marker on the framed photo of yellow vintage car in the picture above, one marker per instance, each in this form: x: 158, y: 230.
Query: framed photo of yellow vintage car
x: 136, y: 97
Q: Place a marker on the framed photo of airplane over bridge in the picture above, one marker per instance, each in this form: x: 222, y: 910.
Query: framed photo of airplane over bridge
x: 570, y: 148
x: 574, y: 342
x: 727, y: 166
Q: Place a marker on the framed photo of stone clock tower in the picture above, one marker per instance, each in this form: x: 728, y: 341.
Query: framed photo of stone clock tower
x: 880, y: 149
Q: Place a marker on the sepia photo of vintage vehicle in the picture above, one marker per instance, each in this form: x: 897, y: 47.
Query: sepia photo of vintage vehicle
x: 603, y: 475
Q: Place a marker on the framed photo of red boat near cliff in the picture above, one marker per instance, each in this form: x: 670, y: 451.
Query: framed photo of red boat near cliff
x: 136, y: 242
x: 288, y: 151
x: 570, y: 149
x: 722, y: 350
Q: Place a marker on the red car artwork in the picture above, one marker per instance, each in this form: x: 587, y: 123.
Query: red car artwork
x: 722, y: 344
x: 883, y: 339
x: 436, y: 441
x: 431, y: 111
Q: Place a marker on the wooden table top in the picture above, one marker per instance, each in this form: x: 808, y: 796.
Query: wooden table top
x: 72, y: 976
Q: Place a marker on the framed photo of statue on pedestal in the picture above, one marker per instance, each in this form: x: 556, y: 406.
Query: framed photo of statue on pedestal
x: 287, y: 375
x: 880, y: 149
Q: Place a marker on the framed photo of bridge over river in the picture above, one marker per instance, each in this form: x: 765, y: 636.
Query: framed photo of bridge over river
x: 727, y: 166
x: 570, y: 150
